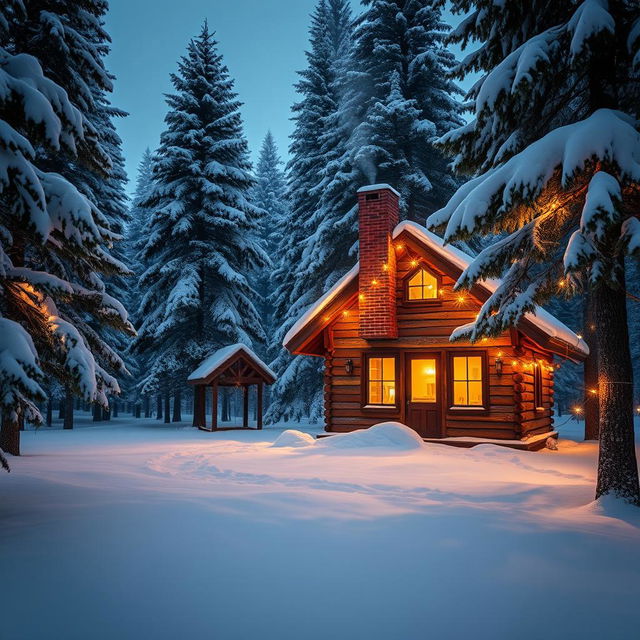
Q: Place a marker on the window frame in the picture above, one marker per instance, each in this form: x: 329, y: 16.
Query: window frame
x: 428, y: 301
x: 364, y: 381
x: 538, y: 388
x: 470, y: 409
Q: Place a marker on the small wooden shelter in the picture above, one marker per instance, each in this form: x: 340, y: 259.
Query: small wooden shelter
x: 232, y: 366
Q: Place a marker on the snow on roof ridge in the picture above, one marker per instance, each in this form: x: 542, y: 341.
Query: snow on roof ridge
x: 378, y: 187
x: 212, y: 362
x: 540, y: 317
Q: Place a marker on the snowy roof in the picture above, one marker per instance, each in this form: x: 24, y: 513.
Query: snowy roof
x: 542, y: 319
x: 226, y: 355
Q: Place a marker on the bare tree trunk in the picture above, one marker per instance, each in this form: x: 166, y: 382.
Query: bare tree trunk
x: 49, y: 419
x: 177, y: 409
x: 115, y: 407
x: 617, y: 466
x: 10, y: 435
x: 136, y: 410
x: 61, y: 409
x: 167, y: 407
x: 591, y: 403
x: 68, y: 409
x: 106, y: 412
x: 159, y: 406
x: 97, y: 412
x: 147, y: 407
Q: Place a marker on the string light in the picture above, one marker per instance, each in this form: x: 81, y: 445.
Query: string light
x: 579, y: 336
x: 577, y: 410
x: 374, y: 282
x: 385, y: 267
x: 345, y: 313
x: 414, y: 263
x: 361, y: 296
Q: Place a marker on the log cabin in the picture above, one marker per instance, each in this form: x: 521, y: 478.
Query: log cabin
x: 387, y: 332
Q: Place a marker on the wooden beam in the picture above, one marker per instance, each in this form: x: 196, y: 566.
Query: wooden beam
x: 214, y: 407
x: 259, y: 411
x: 245, y: 406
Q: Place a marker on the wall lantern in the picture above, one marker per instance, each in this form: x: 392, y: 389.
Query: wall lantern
x: 348, y: 367
x: 499, y: 366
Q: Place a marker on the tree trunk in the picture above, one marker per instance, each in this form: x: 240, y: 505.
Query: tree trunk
x: 10, y: 435
x: 177, y: 409
x: 159, y: 407
x: 617, y: 466
x: 167, y: 407
x: 147, y: 407
x: 61, y: 409
x: 136, y: 410
x: 97, y: 412
x: 68, y: 409
x: 115, y: 407
x: 591, y: 410
x: 106, y: 412
x: 49, y: 419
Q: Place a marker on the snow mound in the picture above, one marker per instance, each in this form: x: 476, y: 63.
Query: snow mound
x: 393, y: 436
x: 293, y: 438
x: 610, y: 506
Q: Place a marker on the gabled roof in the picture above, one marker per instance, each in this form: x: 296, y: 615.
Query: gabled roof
x: 216, y: 364
x: 539, y: 325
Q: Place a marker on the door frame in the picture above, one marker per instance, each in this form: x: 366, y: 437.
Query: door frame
x: 441, y: 398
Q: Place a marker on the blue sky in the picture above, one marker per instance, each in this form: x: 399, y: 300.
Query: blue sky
x: 263, y: 44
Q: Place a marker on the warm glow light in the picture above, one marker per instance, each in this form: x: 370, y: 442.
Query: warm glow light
x: 561, y: 283
x: 374, y: 282
x: 399, y: 247
x: 361, y: 296
x: 579, y: 336
x: 414, y: 263
x: 461, y: 298
x: 499, y: 354
x: 514, y: 363
x: 345, y: 313
x: 577, y: 410
x: 385, y: 267
x: 593, y: 391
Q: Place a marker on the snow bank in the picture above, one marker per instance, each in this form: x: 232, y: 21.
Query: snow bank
x: 393, y: 436
x: 294, y: 438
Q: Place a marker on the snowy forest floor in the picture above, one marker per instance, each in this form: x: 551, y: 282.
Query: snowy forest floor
x: 133, y: 529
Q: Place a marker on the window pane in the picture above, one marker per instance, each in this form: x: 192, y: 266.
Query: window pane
x: 423, y: 380
x: 460, y: 394
x: 460, y: 368
x: 375, y: 368
x: 388, y: 368
x: 416, y: 279
x: 475, y: 394
x: 389, y: 393
x: 475, y: 368
x: 375, y: 393
x: 430, y: 286
x: 415, y: 293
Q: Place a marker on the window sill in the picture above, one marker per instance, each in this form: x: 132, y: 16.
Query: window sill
x: 470, y: 408
x: 388, y: 407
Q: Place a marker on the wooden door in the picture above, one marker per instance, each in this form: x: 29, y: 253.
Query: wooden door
x: 424, y: 393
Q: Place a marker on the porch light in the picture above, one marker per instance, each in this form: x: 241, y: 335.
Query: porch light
x: 348, y: 367
x: 498, y: 366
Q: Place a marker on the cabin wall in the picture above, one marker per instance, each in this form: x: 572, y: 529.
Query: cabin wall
x: 426, y: 326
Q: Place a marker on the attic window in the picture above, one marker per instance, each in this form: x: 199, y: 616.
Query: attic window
x: 422, y: 285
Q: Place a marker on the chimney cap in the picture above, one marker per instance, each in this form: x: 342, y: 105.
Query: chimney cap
x: 378, y: 187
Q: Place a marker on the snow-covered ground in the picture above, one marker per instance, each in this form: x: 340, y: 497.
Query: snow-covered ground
x: 138, y: 530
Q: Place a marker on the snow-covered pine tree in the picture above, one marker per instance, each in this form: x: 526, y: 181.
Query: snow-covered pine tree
x: 70, y: 42
x: 404, y: 98
x: 317, y: 141
x: 135, y: 240
x: 270, y: 195
x: 555, y: 146
x: 203, y: 239
x: 54, y: 243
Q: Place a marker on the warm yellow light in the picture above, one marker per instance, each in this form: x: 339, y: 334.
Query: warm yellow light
x: 593, y: 391
x: 499, y: 354
x: 461, y: 298
x: 399, y: 247
x: 385, y: 267
x: 414, y: 263
x: 374, y: 282
x: 579, y: 336
x: 561, y: 283
x: 345, y: 313
x: 514, y: 363
x: 484, y: 339
x: 361, y: 296
x: 577, y: 410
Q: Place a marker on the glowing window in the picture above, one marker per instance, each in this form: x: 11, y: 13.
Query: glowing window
x: 423, y: 380
x: 382, y: 381
x: 467, y: 381
x: 423, y: 286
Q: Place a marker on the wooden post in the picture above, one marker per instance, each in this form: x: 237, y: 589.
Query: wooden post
x: 245, y: 406
x: 199, y: 406
x: 259, y: 410
x: 214, y: 406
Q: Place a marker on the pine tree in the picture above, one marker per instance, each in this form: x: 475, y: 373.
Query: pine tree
x: 554, y: 145
x: 69, y: 39
x: 54, y: 246
x: 317, y: 141
x: 203, y: 242
x: 270, y: 195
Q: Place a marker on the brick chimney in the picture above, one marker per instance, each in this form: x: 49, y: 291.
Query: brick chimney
x: 378, y: 211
